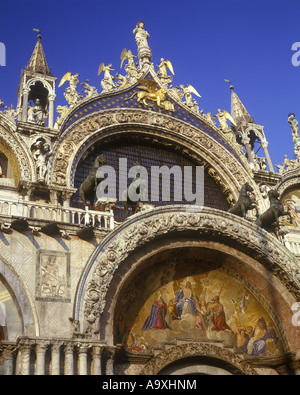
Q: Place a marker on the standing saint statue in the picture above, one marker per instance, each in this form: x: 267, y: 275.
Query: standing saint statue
x: 295, y: 131
x: 141, y: 37
x: 41, y: 156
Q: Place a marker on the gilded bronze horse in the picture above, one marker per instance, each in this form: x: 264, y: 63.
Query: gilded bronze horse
x: 244, y: 203
x: 87, y: 190
x: 272, y: 215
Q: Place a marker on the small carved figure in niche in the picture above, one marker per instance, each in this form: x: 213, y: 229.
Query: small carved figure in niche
x: 75, y: 327
x: 244, y: 203
x: 88, y: 188
x: 37, y: 114
x: 291, y: 206
x: 272, y: 215
x: 41, y: 155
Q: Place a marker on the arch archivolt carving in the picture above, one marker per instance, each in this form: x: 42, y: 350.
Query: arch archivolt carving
x: 14, y: 149
x: 21, y: 296
x: 144, y: 228
x: 227, y: 170
x: 196, y: 349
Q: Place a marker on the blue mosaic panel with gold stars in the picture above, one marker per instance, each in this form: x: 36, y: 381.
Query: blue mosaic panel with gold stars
x: 123, y: 100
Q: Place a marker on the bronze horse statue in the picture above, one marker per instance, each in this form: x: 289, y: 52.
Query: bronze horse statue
x: 87, y: 190
x: 244, y: 203
x: 272, y: 215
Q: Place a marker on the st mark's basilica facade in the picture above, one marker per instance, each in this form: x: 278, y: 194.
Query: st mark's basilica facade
x: 98, y: 283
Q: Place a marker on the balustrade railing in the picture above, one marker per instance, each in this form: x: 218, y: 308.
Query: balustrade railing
x: 48, y: 212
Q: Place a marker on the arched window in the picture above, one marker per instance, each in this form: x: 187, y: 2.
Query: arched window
x: 148, y: 157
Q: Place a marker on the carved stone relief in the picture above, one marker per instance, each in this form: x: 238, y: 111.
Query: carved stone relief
x: 157, y: 363
x: 53, y: 276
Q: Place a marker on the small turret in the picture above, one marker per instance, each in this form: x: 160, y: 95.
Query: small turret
x: 36, y: 91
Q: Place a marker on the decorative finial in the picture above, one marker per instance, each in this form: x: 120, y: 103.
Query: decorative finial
x: 231, y: 86
x: 39, y: 31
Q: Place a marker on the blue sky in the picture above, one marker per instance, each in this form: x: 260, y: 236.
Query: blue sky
x: 248, y: 42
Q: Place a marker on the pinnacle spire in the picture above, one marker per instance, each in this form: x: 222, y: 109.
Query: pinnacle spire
x: 238, y: 110
x: 37, y: 62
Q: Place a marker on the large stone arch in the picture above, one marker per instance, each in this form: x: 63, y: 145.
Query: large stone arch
x: 228, y: 169
x: 206, y: 352
x: 21, y: 298
x: 16, y: 151
x: 103, y: 278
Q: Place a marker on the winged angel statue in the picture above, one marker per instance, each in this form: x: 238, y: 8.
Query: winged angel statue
x: 223, y: 116
x: 107, y: 83
x: 71, y: 94
x: 150, y: 91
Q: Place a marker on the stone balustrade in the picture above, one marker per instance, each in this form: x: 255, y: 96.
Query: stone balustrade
x: 32, y: 356
x: 48, y: 212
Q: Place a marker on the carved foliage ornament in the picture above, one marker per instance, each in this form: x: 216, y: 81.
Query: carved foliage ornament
x: 156, y: 364
x: 212, y: 223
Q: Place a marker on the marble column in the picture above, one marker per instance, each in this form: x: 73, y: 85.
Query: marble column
x: 264, y: 145
x: 41, y: 349
x: 51, y: 99
x: 25, y: 359
x: 97, y: 351
x: 8, y: 361
x: 69, y: 359
x: 110, y: 364
x: 82, y: 358
x: 55, y: 359
x: 25, y: 104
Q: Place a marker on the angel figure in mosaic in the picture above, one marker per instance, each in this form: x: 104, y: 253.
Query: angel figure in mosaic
x: 107, y: 82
